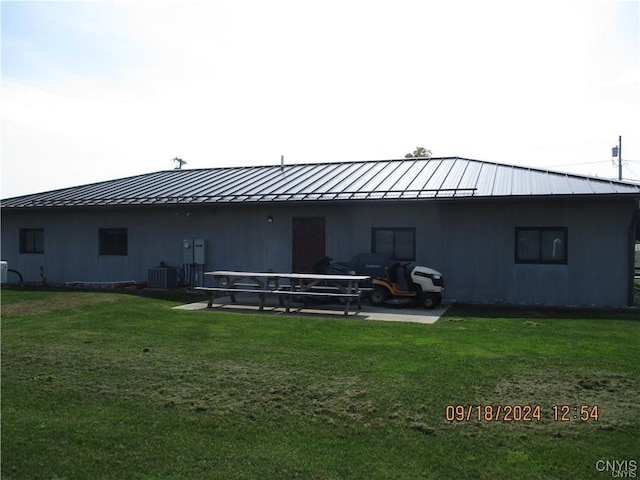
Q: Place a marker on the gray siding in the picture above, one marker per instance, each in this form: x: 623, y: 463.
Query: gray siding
x: 471, y: 242
x: 480, y: 250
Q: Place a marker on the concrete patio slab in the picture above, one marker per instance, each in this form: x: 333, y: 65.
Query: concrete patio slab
x: 250, y: 304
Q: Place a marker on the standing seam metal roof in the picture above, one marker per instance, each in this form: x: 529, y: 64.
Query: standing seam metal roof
x: 415, y: 178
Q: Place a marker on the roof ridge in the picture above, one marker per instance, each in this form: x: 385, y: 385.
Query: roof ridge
x: 554, y: 171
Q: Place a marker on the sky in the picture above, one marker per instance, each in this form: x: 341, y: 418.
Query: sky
x: 95, y: 91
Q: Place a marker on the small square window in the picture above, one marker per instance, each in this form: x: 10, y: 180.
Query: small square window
x: 32, y: 240
x: 541, y: 245
x: 397, y: 243
x: 113, y: 241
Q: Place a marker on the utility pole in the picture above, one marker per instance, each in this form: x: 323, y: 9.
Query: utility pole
x: 617, y: 153
x: 620, y: 157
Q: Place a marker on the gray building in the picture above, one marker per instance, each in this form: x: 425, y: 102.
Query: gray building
x: 498, y: 233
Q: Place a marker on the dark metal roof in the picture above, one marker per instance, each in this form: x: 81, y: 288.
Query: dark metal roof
x: 406, y: 179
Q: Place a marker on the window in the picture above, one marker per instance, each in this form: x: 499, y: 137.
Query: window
x: 32, y: 240
x: 541, y: 245
x: 397, y: 243
x: 113, y: 241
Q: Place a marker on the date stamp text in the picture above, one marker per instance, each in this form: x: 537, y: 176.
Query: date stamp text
x: 520, y: 413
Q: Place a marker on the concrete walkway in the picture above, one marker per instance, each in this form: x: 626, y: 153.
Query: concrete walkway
x: 250, y: 304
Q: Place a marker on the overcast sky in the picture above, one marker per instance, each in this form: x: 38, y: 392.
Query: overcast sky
x: 95, y: 91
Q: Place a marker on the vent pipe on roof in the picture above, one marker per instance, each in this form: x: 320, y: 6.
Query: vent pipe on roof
x: 179, y: 163
x: 282, y: 163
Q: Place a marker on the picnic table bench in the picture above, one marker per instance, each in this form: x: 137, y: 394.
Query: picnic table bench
x: 286, y: 286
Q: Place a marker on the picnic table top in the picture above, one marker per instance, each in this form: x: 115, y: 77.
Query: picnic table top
x: 295, y: 276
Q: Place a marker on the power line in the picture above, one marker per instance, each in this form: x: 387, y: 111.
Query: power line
x: 576, y: 164
x: 567, y: 145
x: 634, y: 174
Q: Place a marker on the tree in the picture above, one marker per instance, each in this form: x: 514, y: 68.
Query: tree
x: 419, y: 152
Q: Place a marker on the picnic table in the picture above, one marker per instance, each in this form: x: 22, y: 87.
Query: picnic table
x: 286, y: 286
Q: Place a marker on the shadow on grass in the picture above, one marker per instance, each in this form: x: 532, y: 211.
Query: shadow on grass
x: 457, y: 310
x: 177, y: 295
x: 545, y: 312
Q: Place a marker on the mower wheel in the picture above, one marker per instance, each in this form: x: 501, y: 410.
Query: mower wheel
x: 378, y: 296
x: 430, y: 301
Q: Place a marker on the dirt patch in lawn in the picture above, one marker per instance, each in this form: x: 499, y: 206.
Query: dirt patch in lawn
x: 254, y: 390
x: 212, y: 387
x: 49, y: 303
x: 616, y: 398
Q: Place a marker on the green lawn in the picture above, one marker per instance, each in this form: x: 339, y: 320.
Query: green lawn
x: 120, y: 386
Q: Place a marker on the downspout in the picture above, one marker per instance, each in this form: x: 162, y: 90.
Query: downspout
x: 635, y: 224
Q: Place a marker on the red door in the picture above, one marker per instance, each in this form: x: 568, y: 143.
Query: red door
x: 308, y: 243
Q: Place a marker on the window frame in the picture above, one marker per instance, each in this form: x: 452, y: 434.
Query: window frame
x: 110, y: 242
x: 394, y: 230
x: 540, y: 258
x: 31, y: 244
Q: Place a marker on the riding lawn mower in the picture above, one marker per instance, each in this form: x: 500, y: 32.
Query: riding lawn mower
x: 406, y: 283
x: 393, y: 283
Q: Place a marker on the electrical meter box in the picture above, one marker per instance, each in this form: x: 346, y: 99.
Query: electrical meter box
x: 4, y: 269
x: 199, y: 248
x: 193, y: 251
x: 187, y: 252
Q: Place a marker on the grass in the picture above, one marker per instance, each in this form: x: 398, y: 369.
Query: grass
x: 111, y: 385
